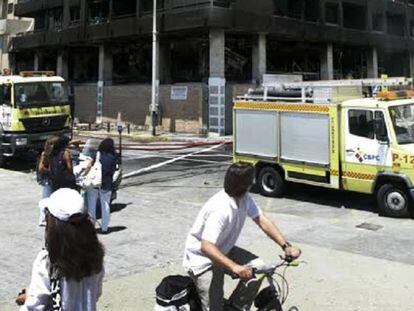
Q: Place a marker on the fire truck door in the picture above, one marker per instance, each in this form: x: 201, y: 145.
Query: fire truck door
x: 364, y: 153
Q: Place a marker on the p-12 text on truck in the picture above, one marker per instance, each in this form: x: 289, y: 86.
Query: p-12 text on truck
x: 331, y: 134
x: 33, y: 106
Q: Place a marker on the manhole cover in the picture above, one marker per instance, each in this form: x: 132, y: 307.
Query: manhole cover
x: 368, y: 226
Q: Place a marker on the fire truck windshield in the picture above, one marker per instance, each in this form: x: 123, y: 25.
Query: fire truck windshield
x: 403, y: 122
x: 39, y: 94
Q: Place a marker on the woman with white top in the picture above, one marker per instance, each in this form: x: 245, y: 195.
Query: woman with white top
x: 107, y: 157
x: 68, y: 274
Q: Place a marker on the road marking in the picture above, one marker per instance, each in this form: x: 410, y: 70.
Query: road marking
x: 151, y: 167
x: 189, y: 159
x: 171, y: 156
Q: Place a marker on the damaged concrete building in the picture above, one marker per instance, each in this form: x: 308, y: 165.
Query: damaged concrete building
x: 209, y: 50
x: 10, y: 25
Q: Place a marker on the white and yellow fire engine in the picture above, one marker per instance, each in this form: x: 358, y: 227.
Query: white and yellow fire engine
x: 33, y: 106
x: 328, y: 134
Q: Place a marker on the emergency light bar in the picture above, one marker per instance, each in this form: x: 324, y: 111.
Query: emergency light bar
x: 48, y: 73
x: 393, y: 95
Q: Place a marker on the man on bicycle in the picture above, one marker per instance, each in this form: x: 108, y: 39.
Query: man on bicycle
x: 210, y: 247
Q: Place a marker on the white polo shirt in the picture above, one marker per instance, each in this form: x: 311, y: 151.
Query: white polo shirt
x: 220, y: 222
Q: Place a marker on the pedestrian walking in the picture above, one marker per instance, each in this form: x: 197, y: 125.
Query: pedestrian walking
x: 43, y: 172
x: 68, y: 273
x: 61, y: 168
x: 107, y: 157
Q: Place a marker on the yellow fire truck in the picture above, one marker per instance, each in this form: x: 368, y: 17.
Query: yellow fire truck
x: 33, y: 106
x: 328, y: 134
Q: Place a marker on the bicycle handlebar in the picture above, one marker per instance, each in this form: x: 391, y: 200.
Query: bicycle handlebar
x: 269, y: 270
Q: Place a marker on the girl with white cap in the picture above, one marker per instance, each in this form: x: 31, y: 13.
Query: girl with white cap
x: 68, y: 274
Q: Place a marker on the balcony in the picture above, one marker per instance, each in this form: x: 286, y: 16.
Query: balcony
x: 50, y: 4
x: 29, y: 40
x: 14, y: 26
x: 183, y: 5
x: 28, y: 7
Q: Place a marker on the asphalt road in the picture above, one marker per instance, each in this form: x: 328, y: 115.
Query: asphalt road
x: 349, y: 267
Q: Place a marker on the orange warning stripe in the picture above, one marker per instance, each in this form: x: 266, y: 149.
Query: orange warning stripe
x: 359, y: 175
x: 334, y: 173
x: 280, y: 106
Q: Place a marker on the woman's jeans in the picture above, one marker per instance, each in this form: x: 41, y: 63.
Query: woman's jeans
x: 105, y: 197
x: 46, y: 192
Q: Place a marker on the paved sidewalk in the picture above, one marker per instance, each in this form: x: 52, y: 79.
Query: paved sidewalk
x: 329, y: 280
x: 348, y: 268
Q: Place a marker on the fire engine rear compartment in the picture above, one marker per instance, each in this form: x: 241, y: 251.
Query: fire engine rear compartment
x: 290, y: 136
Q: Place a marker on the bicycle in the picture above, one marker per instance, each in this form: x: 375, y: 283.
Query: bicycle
x: 270, y: 298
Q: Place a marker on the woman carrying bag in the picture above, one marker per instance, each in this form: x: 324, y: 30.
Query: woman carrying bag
x: 105, y: 160
x: 68, y: 274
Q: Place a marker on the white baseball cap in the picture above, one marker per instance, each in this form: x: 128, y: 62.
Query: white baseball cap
x: 63, y: 204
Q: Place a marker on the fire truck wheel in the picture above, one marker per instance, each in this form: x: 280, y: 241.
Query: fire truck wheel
x: 393, y: 201
x: 270, y: 182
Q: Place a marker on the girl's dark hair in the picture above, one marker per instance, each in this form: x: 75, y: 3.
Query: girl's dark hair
x: 60, y: 145
x: 239, y: 177
x: 48, y: 149
x: 107, y: 146
x: 73, y: 246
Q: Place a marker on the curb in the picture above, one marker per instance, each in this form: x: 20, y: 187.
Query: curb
x: 145, y: 137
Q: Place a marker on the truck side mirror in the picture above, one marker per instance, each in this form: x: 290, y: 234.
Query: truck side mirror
x: 380, y: 128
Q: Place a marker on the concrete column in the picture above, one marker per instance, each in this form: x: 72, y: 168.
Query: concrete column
x: 2, y: 45
x: 62, y: 68
x: 322, y: 11
x: 105, y: 64
x: 327, y: 70
x: 411, y: 57
x: 111, y: 9
x: 36, y: 61
x: 340, y: 14
x: 66, y: 15
x: 217, y: 83
x: 259, y: 57
x: 138, y: 8
x: 372, y: 63
x: 368, y: 17
x: 83, y: 13
x: 165, y: 62
x: 217, y: 53
x: 384, y: 21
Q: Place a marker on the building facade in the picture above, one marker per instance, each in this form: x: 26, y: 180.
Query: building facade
x: 10, y: 25
x: 209, y: 50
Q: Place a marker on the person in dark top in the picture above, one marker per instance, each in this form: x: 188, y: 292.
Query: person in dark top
x: 107, y: 157
x: 43, y: 173
x: 60, y: 166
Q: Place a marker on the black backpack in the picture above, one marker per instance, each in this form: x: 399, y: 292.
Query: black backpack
x: 177, y: 293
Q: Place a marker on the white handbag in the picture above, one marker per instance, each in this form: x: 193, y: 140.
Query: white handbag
x: 94, y: 177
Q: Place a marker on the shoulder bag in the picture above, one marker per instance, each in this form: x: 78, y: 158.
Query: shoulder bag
x: 94, y: 177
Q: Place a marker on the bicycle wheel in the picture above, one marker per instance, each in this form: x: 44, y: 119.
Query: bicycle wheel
x: 293, y: 308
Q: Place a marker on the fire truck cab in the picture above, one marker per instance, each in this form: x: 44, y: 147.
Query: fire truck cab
x: 33, y: 106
